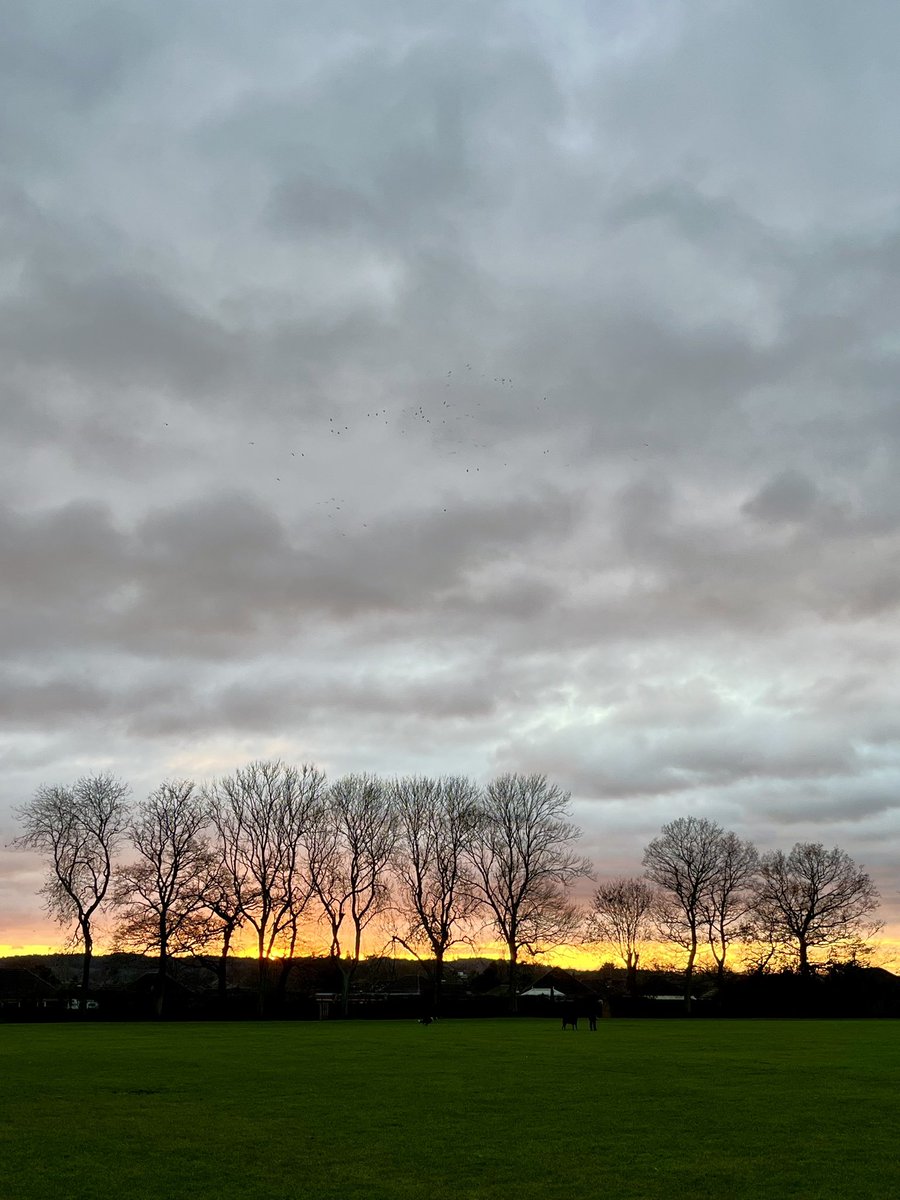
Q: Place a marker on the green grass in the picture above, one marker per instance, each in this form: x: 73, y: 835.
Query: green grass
x: 463, y: 1109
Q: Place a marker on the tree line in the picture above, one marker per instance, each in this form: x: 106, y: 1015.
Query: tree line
x: 278, y: 854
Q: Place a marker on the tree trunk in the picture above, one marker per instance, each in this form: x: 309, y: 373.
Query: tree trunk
x: 161, y: 976
x: 261, y: 977
x: 804, y: 957
x: 222, y: 966
x: 284, y: 974
x: 689, y: 977
x: 346, y: 968
x: 85, y: 965
x: 513, y: 978
x: 162, y: 971
x: 631, y: 979
x: 438, y: 980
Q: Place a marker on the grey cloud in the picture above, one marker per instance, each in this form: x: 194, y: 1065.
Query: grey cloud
x: 803, y: 74
x: 69, y: 555
x: 855, y: 802
x: 406, y: 130
x: 317, y: 206
x: 716, y: 568
x: 123, y: 329
x: 59, y: 64
x: 716, y: 223
x: 373, y: 691
x: 379, y: 698
x: 788, y: 497
x: 521, y: 599
x: 223, y: 574
x: 234, y: 548
x: 604, y: 761
x: 81, y: 51
x: 32, y: 704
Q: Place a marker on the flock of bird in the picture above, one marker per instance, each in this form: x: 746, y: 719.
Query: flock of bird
x: 457, y: 426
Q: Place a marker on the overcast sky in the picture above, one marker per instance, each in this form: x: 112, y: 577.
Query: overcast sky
x: 456, y: 387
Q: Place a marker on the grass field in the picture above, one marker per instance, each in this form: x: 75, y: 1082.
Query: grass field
x: 462, y: 1109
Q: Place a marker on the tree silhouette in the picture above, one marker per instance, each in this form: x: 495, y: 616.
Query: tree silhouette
x: 815, y: 897
x: 261, y: 815
x: 727, y: 902
x: 683, y: 862
x: 162, y: 894
x: 350, y: 842
x: 223, y: 914
x: 622, y: 914
x: 523, y: 865
x: 78, y: 829
x: 435, y: 822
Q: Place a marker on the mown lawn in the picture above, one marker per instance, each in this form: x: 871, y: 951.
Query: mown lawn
x: 516, y: 1110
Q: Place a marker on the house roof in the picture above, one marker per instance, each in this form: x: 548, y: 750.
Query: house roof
x: 559, y: 980
x: 18, y: 983
x: 149, y: 982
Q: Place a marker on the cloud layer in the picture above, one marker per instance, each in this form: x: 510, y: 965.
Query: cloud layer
x: 451, y: 390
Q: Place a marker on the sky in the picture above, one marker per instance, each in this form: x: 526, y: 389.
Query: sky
x: 456, y: 388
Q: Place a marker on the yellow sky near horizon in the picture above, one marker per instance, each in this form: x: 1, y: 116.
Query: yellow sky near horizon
x: 885, y: 953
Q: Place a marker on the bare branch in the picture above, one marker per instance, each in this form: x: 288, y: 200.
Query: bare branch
x: 349, y: 844
x: 435, y: 822
x: 813, y: 898
x: 622, y: 914
x: 261, y: 814
x: 523, y: 865
x: 78, y: 829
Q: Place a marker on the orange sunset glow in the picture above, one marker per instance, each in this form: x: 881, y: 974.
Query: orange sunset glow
x: 885, y: 951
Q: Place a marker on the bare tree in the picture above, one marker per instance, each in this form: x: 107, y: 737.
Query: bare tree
x: 163, y: 893
x: 523, y: 865
x: 622, y: 914
x: 814, y: 898
x: 78, y: 828
x: 223, y: 915
x: 261, y: 813
x: 350, y: 844
x: 435, y: 821
x: 683, y: 862
x: 727, y: 903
